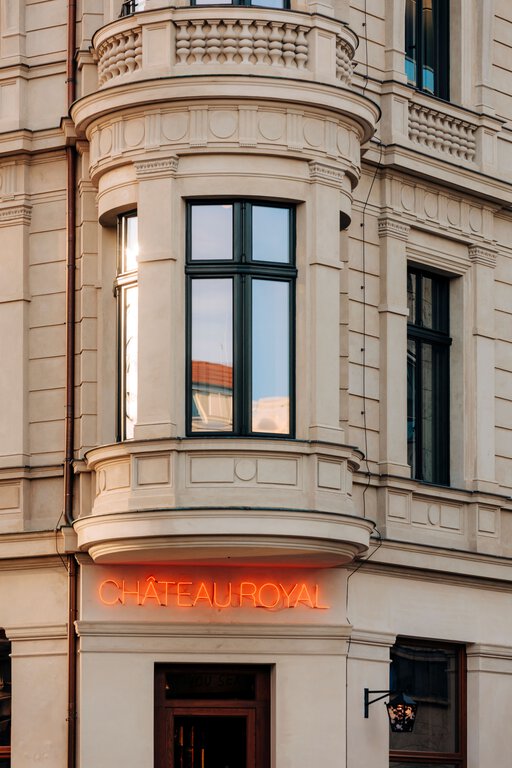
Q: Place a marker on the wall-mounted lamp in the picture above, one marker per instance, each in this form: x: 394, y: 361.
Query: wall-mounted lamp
x: 401, y: 710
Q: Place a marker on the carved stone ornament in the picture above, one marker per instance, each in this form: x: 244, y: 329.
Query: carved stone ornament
x: 392, y: 228
x: 156, y: 168
x: 14, y: 215
x: 481, y: 255
x: 325, y: 173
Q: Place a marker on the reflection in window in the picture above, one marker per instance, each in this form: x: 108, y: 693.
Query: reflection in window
x: 261, y: 3
x: 433, y: 675
x: 127, y: 297
x: 5, y: 701
x: 212, y: 355
x: 240, y: 267
x: 426, y: 46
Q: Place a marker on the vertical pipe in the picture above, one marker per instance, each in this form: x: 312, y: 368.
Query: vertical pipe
x: 70, y: 385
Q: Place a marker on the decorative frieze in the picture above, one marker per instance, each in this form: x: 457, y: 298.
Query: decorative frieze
x: 481, y: 255
x: 439, y: 132
x: 389, y: 227
x: 156, y: 168
x: 328, y: 174
x: 14, y: 215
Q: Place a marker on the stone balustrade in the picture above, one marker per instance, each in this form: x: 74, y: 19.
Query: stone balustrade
x: 440, y: 131
x: 228, y: 40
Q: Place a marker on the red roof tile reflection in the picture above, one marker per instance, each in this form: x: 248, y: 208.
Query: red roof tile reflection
x: 212, y: 374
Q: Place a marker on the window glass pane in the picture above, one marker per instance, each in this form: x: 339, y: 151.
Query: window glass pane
x: 427, y: 413
x: 411, y: 296
x: 201, y: 741
x: 426, y: 304
x: 212, y: 232
x: 410, y: 41
x: 411, y: 405
x: 130, y: 252
x: 130, y: 354
x: 270, y: 356
x: 270, y: 234
x: 212, y: 355
x: 431, y: 677
x: 428, y: 47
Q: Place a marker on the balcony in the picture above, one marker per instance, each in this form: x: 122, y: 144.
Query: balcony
x: 223, y: 502
x: 229, y: 59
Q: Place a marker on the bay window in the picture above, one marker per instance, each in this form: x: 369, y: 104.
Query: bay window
x: 240, y: 270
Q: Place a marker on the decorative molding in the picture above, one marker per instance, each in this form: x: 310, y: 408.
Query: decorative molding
x: 479, y: 254
x: 328, y: 174
x: 14, y: 215
x: 156, y: 168
x: 389, y: 227
x: 36, y: 632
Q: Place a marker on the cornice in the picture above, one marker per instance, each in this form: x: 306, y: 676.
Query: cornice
x: 480, y: 254
x: 325, y: 173
x: 14, y: 215
x: 392, y: 227
x: 156, y: 169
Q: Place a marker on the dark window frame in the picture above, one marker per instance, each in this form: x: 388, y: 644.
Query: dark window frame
x: 242, y: 269
x: 457, y: 758
x: 415, y: 28
x: 439, y: 340
x: 246, y: 4
x: 5, y: 690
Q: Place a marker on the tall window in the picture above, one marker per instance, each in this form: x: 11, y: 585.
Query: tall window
x: 428, y: 347
x: 240, y: 285
x: 433, y: 674
x: 127, y: 298
x: 427, y: 45
x: 5, y: 701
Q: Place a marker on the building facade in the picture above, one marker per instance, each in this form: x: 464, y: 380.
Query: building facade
x: 256, y: 383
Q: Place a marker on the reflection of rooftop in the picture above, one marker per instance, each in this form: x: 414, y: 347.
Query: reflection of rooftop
x: 212, y: 374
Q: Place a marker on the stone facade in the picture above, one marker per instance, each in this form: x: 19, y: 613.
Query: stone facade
x: 326, y: 531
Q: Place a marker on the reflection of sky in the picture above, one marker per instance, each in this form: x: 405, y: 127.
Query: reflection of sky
x: 212, y: 321
x: 270, y: 230
x: 212, y: 232
x: 270, y: 350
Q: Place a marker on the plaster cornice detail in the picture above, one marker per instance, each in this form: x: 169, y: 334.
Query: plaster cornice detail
x: 480, y: 254
x: 325, y: 173
x: 161, y: 167
x: 391, y: 227
x: 14, y: 215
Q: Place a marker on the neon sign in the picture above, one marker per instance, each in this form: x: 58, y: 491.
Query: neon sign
x: 212, y: 594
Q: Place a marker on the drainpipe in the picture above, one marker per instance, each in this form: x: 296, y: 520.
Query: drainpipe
x: 70, y: 386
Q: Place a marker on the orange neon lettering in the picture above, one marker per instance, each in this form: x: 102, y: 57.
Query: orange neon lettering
x: 289, y: 594
x: 100, y: 591
x: 166, y: 584
x: 202, y: 594
x: 277, y: 594
x: 304, y: 597
x: 316, y: 605
x: 215, y: 597
x: 250, y: 593
x: 130, y: 592
x: 151, y: 593
x: 182, y: 593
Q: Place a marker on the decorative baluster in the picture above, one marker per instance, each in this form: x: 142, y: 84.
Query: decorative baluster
x: 276, y: 45
x: 137, y: 49
x: 301, y: 47
x: 245, y: 43
x: 213, y: 41
x: 261, y: 42
x: 290, y: 36
x: 183, y: 41
x: 197, y: 43
x: 230, y: 41
x: 129, y: 58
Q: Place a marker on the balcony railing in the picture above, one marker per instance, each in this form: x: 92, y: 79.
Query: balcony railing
x: 223, y: 40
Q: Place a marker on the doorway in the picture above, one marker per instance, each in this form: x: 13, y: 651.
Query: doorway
x: 212, y: 716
